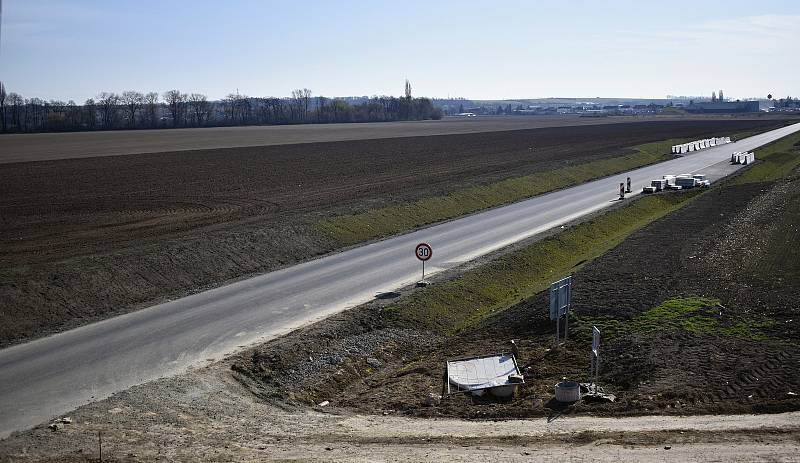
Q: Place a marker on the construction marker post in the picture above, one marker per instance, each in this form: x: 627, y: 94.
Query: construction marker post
x: 621, y: 191
x: 423, y: 251
x: 628, y: 189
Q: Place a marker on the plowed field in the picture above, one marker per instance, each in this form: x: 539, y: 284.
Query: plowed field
x: 87, y: 238
x: 51, y: 146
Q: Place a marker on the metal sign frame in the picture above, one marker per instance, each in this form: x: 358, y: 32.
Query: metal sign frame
x: 560, y: 301
x: 594, y: 368
x: 560, y: 297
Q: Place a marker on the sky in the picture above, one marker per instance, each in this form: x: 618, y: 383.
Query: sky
x: 74, y: 49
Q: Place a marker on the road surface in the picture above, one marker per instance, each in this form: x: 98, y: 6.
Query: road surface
x: 52, y: 375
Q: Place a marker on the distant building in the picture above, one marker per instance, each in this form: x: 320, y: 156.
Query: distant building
x: 593, y: 113
x: 723, y: 107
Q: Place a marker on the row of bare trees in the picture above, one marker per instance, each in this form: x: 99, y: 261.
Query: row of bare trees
x: 137, y: 110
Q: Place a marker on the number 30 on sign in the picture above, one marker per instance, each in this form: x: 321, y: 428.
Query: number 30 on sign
x: 423, y: 251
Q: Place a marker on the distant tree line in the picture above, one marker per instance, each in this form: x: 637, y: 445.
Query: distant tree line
x: 137, y: 110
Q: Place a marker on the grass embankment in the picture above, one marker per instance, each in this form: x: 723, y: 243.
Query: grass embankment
x: 774, y: 161
x: 697, y: 315
x: 458, y: 304
x: 392, y: 220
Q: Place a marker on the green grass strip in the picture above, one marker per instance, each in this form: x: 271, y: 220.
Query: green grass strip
x: 392, y: 220
x: 452, y: 306
x: 696, y: 315
x: 396, y: 219
x: 774, y: 161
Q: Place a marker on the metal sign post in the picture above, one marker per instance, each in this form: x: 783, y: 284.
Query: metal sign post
x: 595, y: 355
x: 560, y: 300
x: 423, y: 252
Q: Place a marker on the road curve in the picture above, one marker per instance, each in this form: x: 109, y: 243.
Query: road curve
x: 47, y: 377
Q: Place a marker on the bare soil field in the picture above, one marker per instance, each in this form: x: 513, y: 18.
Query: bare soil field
x: 85, y: 239
x: 725, y: 340
x: 377, y: 376
x: 50, y: 146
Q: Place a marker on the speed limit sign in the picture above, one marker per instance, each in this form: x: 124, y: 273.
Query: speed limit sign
x: 423, y: 251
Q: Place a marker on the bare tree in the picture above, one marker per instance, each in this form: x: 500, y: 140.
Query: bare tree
x: 90, y: 114
x: 3, y: 96
x: 133, y: 102
x: 408, y: 100
x: 306, y: 97
x: 244, y: 109
x: 296, y: 105
x: 108, y: 102
x: 73, y: 112
x: 151, y: 109
x: 229, y: 107
x: 300, y: 101
x: 175, y: 101
x: 199, y: 107
x: 56, y: 115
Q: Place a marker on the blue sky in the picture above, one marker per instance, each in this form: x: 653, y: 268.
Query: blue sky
x: 475, y: 49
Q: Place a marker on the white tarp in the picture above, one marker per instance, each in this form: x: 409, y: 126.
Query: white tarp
x: 481, y: 372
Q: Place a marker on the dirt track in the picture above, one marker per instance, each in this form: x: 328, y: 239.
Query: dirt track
x: 50, y: 146
x: 206, y: 416
x: 89, y: 238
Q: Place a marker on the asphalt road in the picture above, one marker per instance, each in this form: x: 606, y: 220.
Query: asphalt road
x: 53, y: 375
x: 29, y: 147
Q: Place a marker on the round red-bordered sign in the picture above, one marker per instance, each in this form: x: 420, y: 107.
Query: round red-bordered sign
x: 423, y: 251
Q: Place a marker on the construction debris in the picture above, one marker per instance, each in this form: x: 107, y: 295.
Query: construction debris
x: 568, y: 391
x: 432, y: 400
x: 677, y: 182
x: 59, y: 423
x: 497, y: 373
